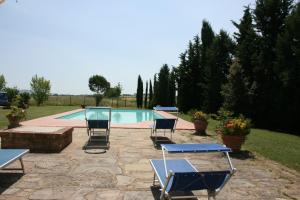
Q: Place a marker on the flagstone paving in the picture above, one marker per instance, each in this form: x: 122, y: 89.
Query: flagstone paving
x: 124, y: 172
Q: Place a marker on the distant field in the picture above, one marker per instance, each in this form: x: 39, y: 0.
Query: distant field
x: 77, y: 100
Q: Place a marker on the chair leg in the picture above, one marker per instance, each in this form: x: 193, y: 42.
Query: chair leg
x: 22, y: 165
x: 211, y: 194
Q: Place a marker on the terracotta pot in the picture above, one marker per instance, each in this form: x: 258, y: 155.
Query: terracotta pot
x: 200, y: 126
x: 233, y: 141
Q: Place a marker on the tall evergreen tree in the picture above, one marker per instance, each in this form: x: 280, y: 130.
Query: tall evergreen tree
x: 269, y: 18
x: 207, y: 37
x: 163, y: 92
x: 172, y: 90
x: 183, y: 84
x: 146, y: 96
x: 218, y: 65
x: 155, y: 91
x: 139, y: 93
x: 287, y: 66
x: 246, y: 52
x: 150, y: 105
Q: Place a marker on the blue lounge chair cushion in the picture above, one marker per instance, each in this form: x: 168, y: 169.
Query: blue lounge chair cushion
x: 195, y: 148
x: 98, y: 124
x: 178, y: 165
x: 186, y: 177
x: 165, y: 123
x: 7, y: 156
x: 160, y: 108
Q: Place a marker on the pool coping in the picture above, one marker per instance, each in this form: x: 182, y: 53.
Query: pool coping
x: 52, y: 120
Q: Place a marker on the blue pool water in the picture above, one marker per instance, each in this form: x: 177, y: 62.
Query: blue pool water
x: 118, y: 116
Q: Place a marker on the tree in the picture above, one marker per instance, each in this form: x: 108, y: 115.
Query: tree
x: 183, y: 84
x: 150, y: 95
x: 2, y: 82
x: 99, y: 85
x: 235, y: 91
x: 269, y: 16
x: 114, y: 92
x: 219, y: 60
x: 146, y: 96
x: 11, y: 94
x: 40, y: 88
x: 155, y: 91
x: 288, y: 70
x: 246, y: 52
x: 172, y: 97
x: 163, y: 89
x: 139, y: 93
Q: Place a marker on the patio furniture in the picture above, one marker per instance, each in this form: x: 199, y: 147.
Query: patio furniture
x: 98, y: 120
x: 179, y: 175
x: 167, y: 109
x: 7, y: 156
x: 163, y: 124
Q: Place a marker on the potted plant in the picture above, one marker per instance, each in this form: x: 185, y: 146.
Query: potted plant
x: 15, y: 116
x: 234, y: 131
x: 200, y: 122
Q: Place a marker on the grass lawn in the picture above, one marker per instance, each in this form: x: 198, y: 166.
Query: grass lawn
x: 280, y: 147
x: 35, y: 112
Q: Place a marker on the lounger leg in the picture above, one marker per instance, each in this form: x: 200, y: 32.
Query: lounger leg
x: 154, y: 179
x: 211, y: 194
x: 22, y: 165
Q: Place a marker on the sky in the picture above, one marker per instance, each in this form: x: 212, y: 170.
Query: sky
x: 68, y: 41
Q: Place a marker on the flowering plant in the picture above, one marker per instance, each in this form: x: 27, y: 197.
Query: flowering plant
x: 16, y: 114
x: 236, y: 126
x: 199, y: 115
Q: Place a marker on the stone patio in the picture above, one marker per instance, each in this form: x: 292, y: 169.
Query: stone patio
x: 124, y: 172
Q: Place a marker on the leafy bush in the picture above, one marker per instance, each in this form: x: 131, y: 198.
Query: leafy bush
x: 16, y: 114
x: 23, y: 100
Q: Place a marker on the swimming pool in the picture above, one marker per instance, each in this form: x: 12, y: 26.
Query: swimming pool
x: 118, y: 116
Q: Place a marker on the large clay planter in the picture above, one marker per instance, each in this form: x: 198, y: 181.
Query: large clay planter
x: 233, y: 141
x: 200, y: 126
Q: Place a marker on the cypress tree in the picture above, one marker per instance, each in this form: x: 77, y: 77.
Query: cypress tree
x: 246, y: 52
x: 163, y: 92
x: 207, y: 37
x: 183, y: 82
x: 270, y: 22
x: 287, y: 67
x: 150, y: 105
x: 139, y: 93
x: 172, y: 97
x: 219, y: 60
x: 146, y: 95
x: 155, y: 91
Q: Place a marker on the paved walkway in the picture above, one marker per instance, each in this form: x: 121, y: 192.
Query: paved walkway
x: 124, y: 172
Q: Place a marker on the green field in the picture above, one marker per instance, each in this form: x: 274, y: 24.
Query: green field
x: 77, y: 100
x: 35, y: 112
x: 280, y: 147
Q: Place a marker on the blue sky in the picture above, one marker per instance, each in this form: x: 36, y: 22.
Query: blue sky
x: 67, y: 41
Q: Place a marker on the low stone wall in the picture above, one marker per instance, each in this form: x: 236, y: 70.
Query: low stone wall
x: 37, y: 139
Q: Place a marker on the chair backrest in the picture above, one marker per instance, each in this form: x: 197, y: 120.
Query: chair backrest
x: 98, y: 124
x: 165, y: 123
x: 189, y: 181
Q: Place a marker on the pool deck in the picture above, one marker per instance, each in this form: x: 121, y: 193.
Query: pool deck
x: 53, y: 121
x: 124, y: 172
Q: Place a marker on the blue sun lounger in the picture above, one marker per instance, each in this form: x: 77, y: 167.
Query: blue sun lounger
x: 163, y: 124
x: 7, y: 156
x: 179, y: 175
x: 98, y: 120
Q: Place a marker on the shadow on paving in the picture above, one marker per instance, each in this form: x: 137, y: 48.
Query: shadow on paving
x: 160, y: 140
x: 242, y: 155
x: 156, y: 192
x: 97, y: 146
x: 8, y: 179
